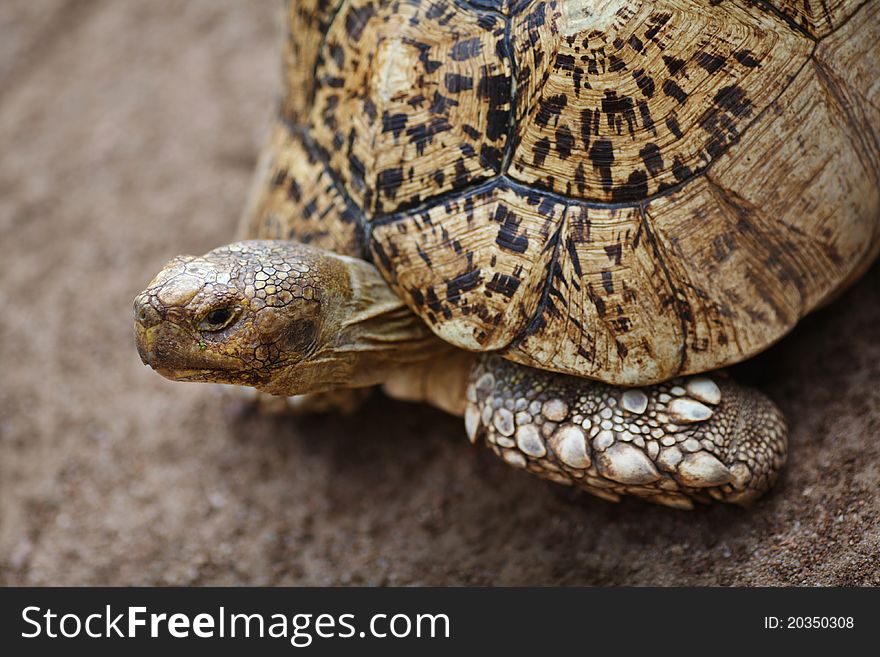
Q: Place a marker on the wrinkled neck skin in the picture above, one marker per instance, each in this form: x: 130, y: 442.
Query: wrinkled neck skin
x: 371, y: 337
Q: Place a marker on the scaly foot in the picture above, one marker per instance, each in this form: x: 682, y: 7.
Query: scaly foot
x: 693, y: 438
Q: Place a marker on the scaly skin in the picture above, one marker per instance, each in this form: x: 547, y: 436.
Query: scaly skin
x: 290, y: 319
x: 693, y: 438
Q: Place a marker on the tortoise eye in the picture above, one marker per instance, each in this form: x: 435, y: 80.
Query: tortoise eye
x: 218, y: 319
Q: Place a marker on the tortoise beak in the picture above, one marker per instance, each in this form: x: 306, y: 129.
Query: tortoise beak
x: 155, y: 338
x: 171, y: 349
x: 145, y: 319
x: 156, y: 345
x: 146, y: 340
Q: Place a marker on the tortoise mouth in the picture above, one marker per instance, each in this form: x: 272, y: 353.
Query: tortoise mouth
x: 188, y: 375
x: 176, y: 354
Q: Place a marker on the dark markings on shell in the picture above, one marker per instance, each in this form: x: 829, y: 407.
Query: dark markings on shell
x: 503, y: 284
x: 745, y: 58
x: 652, y: 158
x: 394, y: 123
x: 645, y: 82
x: 635, y: 43
x: 356, y: 20
x: 462, y: 283
x: 601, y: 154
x: 507, y: 235
x: 673, y: 64
x: 579, y: 141
x: 456, y: 83
x: 614, y: 253
x: 671, y: 89
x: 540, y: 151
x: 552, y: 272
x: 711, y: 63
x: 550, y: 108
x: 573, y: 255
x: 467, y: 49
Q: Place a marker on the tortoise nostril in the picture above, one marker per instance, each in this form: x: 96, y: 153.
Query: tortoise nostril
x: 145, y: 314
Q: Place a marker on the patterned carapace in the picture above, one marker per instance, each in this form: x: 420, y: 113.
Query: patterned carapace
x: 618, y: 189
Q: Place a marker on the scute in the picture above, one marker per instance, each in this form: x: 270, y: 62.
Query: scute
x: 618, y: 100
x: 412, y: 100
x: 295, y: 198
x: 473, y: 267
x: 611, y: 310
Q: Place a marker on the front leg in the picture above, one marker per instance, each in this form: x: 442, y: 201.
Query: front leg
x: 692, y: 438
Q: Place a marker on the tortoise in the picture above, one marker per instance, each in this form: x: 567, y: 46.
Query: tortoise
x: 559, y: 219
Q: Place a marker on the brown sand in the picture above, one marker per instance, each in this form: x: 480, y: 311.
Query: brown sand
x: 129, y: 131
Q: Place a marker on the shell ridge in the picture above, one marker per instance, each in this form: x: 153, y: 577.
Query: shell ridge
x: 673, y: 288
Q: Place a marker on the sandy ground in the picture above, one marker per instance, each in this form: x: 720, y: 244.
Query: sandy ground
x: 129, y: 131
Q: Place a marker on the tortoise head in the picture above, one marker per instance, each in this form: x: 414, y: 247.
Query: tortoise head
x: 280, y: 316
x: 244, y: 313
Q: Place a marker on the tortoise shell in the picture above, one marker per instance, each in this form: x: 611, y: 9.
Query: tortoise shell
x: 616, y: 189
